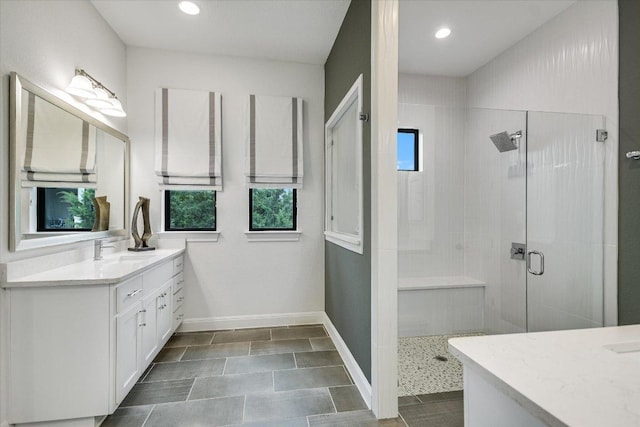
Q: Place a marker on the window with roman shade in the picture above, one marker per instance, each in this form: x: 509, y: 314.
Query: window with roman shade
x: 60, y: 148
x: 188, y: 139
x: 274, y: 142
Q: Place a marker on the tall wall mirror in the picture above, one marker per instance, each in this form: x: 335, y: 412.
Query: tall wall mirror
x: 60, y: 159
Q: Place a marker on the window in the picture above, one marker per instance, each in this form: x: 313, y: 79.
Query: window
x: 408, y: 150
x: 190, y: 210
x: 65, y: 209
x: 272, y: 209
x: 343, y: 185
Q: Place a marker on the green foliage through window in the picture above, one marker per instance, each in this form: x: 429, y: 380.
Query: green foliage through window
x: 65, y: 209
x: 190, y: 210
x: 272, y: 209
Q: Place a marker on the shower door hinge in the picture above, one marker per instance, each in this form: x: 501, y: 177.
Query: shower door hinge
x: 601, y: 135
x: 364, y: 117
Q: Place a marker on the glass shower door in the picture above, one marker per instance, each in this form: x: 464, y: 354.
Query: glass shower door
x: 565, y: 221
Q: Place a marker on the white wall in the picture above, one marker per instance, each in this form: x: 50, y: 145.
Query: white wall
x: 233, y: 277
x: 44, y: 41
x: 431, y: 202
x: 570, y: 64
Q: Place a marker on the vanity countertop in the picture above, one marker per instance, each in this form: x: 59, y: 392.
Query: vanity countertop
x: 582, y: 378
x: 113, y: 268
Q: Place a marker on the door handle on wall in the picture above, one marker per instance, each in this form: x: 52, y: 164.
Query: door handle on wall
x: 531, y: 270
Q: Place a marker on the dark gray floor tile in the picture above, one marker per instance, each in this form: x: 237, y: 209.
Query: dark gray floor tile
x: 291, y: 422
x: 438, y: 397
x: 231, y: 385
x: 182, y: 340
x: 289, y: 404
x: 196, y: 413
x: 146, y: 372
x: 408, y: 400
x: 347, y: 398
x: 242, y: 335
x: 298, y: 332
x: 128, y: 417
x: 169, y: 354
x: 446, y: 413
x: 184, y: 370
x: 251, y: 364
x: 313, y: 359
x: 353, y: 419
x: 215, y: 351
x: 295, y: 379
x: 158, y: 392
x: 319, y: 344
x: 282, y: 346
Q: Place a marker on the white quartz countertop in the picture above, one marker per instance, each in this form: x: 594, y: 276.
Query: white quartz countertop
x: 113, y: 268
x: 577, y: 378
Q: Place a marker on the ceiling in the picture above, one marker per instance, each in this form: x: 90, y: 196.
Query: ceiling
x: 304, y: 30
x: 285, y: 30
x: 480, y: 30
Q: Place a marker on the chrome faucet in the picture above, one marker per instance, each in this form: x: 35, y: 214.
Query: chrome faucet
x: 98, y: 246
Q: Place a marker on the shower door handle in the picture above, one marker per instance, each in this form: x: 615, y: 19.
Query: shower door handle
x: 531, y: 270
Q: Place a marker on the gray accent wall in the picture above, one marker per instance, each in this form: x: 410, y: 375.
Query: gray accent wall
x: 629, y: 170
x: 348, y: 274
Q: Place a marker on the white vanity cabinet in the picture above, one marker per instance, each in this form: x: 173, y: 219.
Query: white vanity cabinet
x: 77, y: 348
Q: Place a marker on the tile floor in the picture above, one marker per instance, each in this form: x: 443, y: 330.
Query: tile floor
x: 280, y: 377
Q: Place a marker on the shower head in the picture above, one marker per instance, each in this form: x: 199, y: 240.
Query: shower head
x: 505, y: 141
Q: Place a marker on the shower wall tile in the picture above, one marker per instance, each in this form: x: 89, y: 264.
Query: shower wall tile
x: 431, y: 202
x: 570, y: 64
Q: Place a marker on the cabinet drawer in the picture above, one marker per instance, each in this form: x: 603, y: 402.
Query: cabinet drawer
x: 128, y: 293
x: 178, y: 264
x: 178, y: 299
x: 178, y: 282
x: 155, y: 278
x: 178, y: 316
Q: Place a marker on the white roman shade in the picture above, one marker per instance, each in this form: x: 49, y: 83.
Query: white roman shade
x: 188, y: 139
x: 60, y: 149
x: 274, y: 142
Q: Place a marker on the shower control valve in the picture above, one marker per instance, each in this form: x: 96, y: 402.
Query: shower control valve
x: 518, y: 251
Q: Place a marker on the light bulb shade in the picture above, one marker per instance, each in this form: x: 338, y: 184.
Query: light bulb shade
x: 81, y: 86
x: 100, y: 99
x: 114, y: 109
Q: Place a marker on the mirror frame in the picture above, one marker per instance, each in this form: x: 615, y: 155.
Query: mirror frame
x: 16, y: 243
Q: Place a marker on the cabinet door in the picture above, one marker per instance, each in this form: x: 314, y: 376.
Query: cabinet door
x: 165, y: 308
x: 150, y: 327
x: 128, y: 350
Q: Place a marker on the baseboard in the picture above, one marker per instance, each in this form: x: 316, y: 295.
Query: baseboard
x: 252, y: 321
x: 350, y: 362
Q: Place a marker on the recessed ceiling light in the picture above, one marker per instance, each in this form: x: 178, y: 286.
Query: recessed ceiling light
x: 189, y: 7
x: 443, y: 33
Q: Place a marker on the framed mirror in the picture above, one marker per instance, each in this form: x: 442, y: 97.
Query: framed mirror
x: 60, y: 159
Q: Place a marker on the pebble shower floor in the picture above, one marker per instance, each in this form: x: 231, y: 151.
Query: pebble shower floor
x: 420, y: 371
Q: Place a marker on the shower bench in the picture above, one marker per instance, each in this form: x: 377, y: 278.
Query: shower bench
x: 440, y: 305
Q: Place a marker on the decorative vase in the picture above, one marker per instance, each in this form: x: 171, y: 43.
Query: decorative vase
x: 102, y: 210
x: 141, y: 243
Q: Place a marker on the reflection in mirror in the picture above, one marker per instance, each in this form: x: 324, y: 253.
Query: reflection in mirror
x: 61, y: 159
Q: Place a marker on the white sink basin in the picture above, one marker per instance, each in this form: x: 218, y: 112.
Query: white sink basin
x: 137, y: 257
x: 625, y: 347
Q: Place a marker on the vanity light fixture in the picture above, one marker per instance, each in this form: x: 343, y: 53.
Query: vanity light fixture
x: 95, y: 93
x: 443, y: 32
x: 188, y: 7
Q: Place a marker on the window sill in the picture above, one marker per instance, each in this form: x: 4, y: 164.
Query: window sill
x: 191, y: 236
x: 273, y: 236
x: 347, y: 241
